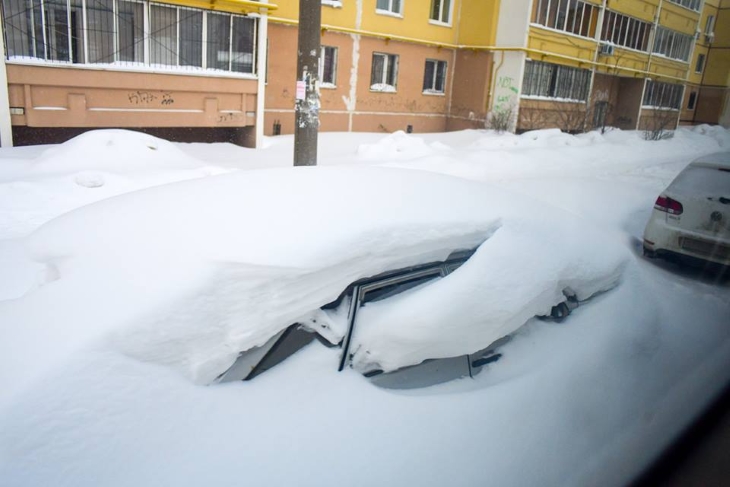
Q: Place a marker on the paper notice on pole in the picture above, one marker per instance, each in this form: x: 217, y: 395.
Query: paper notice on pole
x: 301, y: 90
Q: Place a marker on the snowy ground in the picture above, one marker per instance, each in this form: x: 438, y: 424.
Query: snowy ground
x: 587, y: 401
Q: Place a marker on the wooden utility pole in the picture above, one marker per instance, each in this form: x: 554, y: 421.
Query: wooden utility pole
x: 306, y: 124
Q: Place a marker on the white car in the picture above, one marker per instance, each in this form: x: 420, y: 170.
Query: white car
x: 691, y: 218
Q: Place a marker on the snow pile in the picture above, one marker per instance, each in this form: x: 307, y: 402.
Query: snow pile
x: 114, y: 150
x: 93, y: 166
x: 396, y: 146
x: 268, y: 247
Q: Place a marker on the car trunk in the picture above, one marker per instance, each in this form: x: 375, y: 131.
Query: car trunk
x: 704, y: 193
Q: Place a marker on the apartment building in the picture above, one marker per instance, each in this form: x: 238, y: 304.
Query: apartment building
x: 633, y: 64
x: 226, y: 69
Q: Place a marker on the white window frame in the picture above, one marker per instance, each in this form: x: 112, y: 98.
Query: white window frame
x: 563, y: 7
x: 442, y: 11
x: 322, y: 54
x: 693, y: 5
x: 390, y: 10
x: 636, y: 33
x: 144, y: 49
x: 332, y: 3
x: 670, y: 43
x: 390, y: 62
x: 662, y: 92
x: 433, y: 90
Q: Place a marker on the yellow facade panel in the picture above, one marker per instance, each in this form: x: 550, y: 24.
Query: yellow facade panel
x: 695, y: 77
x: 563, y: 45
x: 717, y: 72
x: 478, y: 22
x: 641, y: 9
x: 722, y: 29
x: 661, y: 67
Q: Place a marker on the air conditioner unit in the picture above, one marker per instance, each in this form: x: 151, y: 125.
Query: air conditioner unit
x: 606, y: 49
x: 709, y: 37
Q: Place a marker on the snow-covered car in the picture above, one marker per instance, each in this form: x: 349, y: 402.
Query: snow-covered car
x: 691, y: 218
x: 221, y: 278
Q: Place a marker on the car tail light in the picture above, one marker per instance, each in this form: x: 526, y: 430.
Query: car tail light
x: 673, y: 207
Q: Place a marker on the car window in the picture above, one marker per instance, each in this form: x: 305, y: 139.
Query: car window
x: 703, y: 181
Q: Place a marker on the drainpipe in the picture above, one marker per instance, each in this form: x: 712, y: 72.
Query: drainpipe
x: 262, y: 42
x: 6, y: 127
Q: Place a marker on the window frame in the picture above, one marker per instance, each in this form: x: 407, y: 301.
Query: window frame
x: 693, y: 5
x: 672, y: 44
x: 390, y: 63
x: 86, y: 39
x: 433, y: 89
x: 390, y: 11
x: 659, y: 95
x: 322, y: 58
x: 700, y: 63
x: 548, y: 81
x: 635, y: 35
x: 692, y: 100
x: 448, y: 12
x: 559, y: 12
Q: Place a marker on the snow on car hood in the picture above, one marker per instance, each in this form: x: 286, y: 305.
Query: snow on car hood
x: 197, y: 271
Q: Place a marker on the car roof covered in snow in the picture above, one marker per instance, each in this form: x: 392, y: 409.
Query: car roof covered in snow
x: 716, y: 160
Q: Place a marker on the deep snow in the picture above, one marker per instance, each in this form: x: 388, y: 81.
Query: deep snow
x: 590, y: 400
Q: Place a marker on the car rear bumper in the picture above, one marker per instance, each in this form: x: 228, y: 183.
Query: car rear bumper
x: 664, y: 240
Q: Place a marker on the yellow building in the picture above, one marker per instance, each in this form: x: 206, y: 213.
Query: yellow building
x: 226, y: 69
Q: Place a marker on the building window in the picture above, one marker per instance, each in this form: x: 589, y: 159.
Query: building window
x: 700, y: 63
x: 434, y: 77
x: 572, y: 16
x: 389, y: 6
x: 328, y: 66
x: 673, y: 44
x: 710, y: 28
x: 662, y: 95
x: 385, y: 72
x: 690, y: 4
x: 113, y: 31
x: 625, y: 31
x: 547, y: 80
x: 692, y: 102
x: 441, y: 11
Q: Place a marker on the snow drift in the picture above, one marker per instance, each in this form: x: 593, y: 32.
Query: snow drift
x: 205, y: 269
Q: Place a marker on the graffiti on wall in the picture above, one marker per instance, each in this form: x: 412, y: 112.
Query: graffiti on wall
x: 147, y: 98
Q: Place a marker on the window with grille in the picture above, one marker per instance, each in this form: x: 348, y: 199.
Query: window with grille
x: 114, y: 32
x: 389, y: 6
x: 385, y: 72
x: 625, y: 31
x: 663, y: 95
x: 690, y: 4
x: 572, y: 16
x: 548, y: 80
x: 328, y: 66
x: 441, y: 11
x: 672, y: 44
x: 434, y: 78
